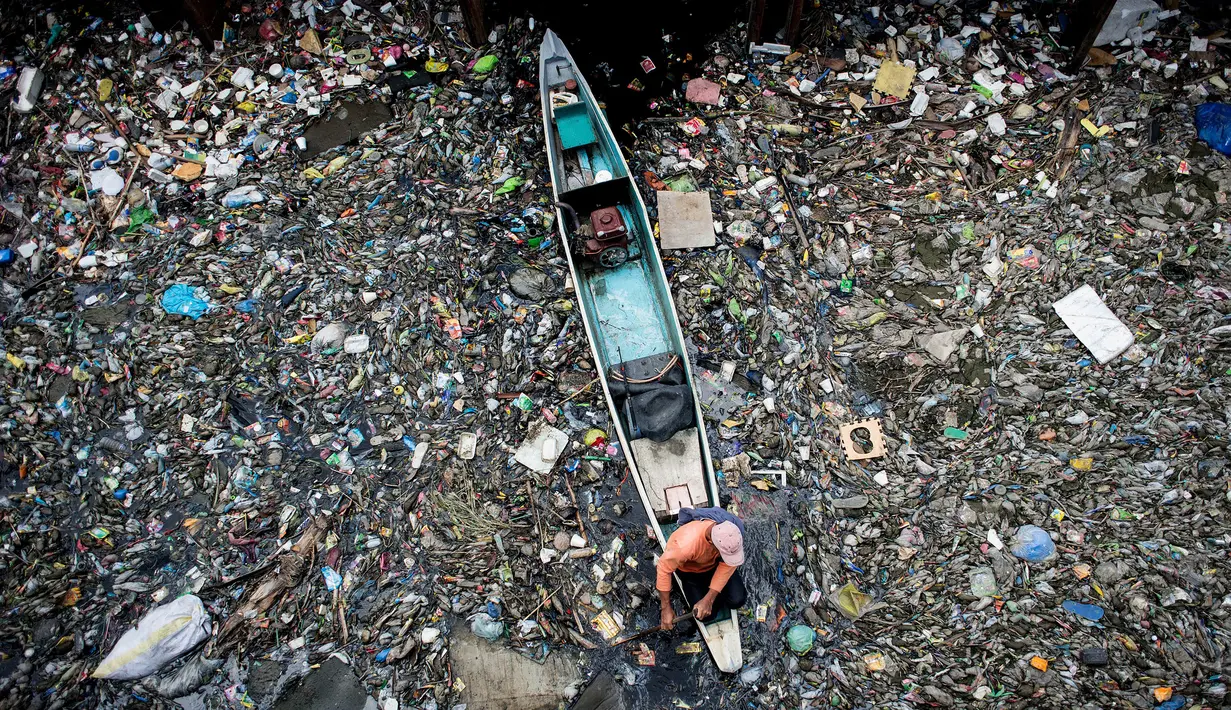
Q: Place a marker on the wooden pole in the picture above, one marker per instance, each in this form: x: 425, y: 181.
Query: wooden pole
x: 756, y: 17
x: 476, y: 24
x: 793, y: 20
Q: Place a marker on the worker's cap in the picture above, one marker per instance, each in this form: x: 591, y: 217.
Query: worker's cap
x: 730, y: 543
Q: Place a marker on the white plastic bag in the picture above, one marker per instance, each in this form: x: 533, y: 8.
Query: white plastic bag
x: 163, y: 635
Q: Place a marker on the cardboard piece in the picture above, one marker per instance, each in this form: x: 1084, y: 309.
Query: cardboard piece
x: 685, y: 220
x: 875, y: 435
x: 1084, y: 312
x: 894, y: 78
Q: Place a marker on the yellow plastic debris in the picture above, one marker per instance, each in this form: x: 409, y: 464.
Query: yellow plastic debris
x: 894, y: 78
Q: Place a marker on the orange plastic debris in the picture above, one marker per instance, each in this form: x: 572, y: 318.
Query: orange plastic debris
x: 1162, y: 695
x: 1039, y: 662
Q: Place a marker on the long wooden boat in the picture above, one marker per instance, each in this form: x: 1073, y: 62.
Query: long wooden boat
x: 629, y: 315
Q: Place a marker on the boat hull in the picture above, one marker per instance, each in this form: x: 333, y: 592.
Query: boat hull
x: 628, y: 312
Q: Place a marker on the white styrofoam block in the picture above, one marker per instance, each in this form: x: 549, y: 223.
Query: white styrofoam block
x: 1084, y: 312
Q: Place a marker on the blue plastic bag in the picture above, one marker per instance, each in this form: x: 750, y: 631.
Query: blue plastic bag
x: 1033, y: 544
x: 183, y: 300
x: 1085, y: 611
x: 1214, y: 126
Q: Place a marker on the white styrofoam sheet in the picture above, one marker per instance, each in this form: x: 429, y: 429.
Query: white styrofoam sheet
x: 1084, y: 312
x: 531, y: 452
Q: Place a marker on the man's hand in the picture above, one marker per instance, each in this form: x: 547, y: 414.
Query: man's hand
x: 705, y: 607
x: 667, y: 618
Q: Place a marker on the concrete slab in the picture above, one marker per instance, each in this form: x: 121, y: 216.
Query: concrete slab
x: 497, y: 678
x: 685, y: 220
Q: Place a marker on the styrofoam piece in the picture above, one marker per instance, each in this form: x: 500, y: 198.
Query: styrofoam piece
x: 535, y: 453
x: 1084, y: 312
x: 29, y: 84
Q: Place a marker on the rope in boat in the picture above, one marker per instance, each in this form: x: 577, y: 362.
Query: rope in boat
x: 666, y: 368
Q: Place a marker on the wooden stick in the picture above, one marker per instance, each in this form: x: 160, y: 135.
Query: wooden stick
x: 538, y: 526
x: 115, y: 211
x: 649, y: 632
x: 587, y: 386
x: 545, y: 600
x: 576, y: 507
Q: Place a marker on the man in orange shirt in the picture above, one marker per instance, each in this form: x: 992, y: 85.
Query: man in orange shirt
x: 706, y: 551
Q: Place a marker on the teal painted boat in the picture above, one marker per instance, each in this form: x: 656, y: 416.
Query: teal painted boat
x: 629, y: 315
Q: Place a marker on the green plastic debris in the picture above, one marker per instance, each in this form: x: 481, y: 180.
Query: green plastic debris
x: 682, y: 183
x: 734, y: 309
x: 511, y: 184
x: 800, y: 638
x: 485, y: 64
x: 955, y: 433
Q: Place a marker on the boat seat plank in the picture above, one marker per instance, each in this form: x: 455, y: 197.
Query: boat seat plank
x: 574, y: 125
x: 674, y: 462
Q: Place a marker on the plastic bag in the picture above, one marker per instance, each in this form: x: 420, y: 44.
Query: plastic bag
x: 484, y: 626
x: 1214, y: 126
x: 951, y: 49
x: 184, y: 300
x: 193, y: 674
x: 852, y: 602
x: 800, y: 638
x: 163, y: 635
x: 1033, y: 544
x: 242, y: 197
x: 983, y: 582
x: 486, y: 64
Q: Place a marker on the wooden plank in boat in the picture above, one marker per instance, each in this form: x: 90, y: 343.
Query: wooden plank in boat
x: 674, y: 462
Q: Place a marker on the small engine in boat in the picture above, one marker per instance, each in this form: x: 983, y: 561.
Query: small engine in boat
x: 606, y: 240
